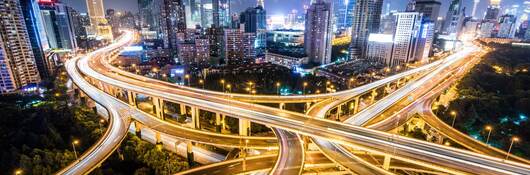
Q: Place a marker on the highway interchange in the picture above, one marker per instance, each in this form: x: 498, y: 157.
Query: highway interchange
x: 288, y: 126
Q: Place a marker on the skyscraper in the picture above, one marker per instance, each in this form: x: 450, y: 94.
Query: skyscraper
x: 405, y: 37
x: 255, y: 21
x: 221, y: 13
x: 507, y: 26
x: 17, y: 62
x: 493, y: 10
x: 149, y: 14
x: 239, y: 45
x: 454, y: 19
x: 475, y: 5
x: 173, y: 21
x: 343, y: 13
x: 318, y: 32
x: 366, y: 20
x: 36, y: 33
x: 429, y: 8
x: 57, y: 25
x: 98, y: 21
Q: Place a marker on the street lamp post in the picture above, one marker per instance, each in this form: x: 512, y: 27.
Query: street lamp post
x: 304, y: 85
x: 514, y: 139
x: 223, y: 84
x: 201, y: 81
x: 101, y: 121
x: 245, y: 155
x: 453, y: 113
x: 229, y: 86
x: 75, y: 142
x: 278, y: 87
x: 489, y: 128
x: 187, y: 76
x: 18, y: 172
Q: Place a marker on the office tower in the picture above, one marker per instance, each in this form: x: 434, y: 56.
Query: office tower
x: 221, y: 13
x: 17, y: 63
x: 37, y: 35
x: 454, y: 20
x: 216, y: 40
x: 318, y: 32
x: 493, y: 10
x: 487, y: 29
x: 173, y: 21
x: 57, y: 25
x: 149, y: 14
x: 507, y: 26
x: 261, y: 3
x: 202, y: 49
x: 98, y: 22
x: 366, y: 20
x: 193, y: 13
x: 239, y: 45
x: 379, y: 48
x: 429, y: 8
x: 425, y: 39
x: 405, y: 37
x: 343, y: 13
x: 254, y: 20
x: 475, y: 5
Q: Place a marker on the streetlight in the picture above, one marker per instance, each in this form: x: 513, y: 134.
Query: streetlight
x: 351, y: 82
x: 489, y: 128
x: 187, y: 77
x: 201, y: 82
x: 304, y: 85
x: 253, y: 92
x: 229, y: 86
x: 75, y: 142
x: 514, y: 139
x: 245, y: 155
x: 223, y: 84
x: 278, y: 87
x: 101, y: 121
x: 453, y: 113
x: 18, y: 171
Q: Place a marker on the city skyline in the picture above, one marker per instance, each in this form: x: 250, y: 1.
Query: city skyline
x: 277, y: 7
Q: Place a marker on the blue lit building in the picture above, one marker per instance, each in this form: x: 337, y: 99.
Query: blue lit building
x: 36, y: 34
x: 57, y: 25
x: 343, y: 12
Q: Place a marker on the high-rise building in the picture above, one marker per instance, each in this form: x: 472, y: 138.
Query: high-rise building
x: 380, y: 48
x: 507, y: 26
x: 221, y: 13
x: 173, y: 21
x: 254, y: 20
x: 454, y: 20
x: 318, y: 32
x: 475, y: 6
x: 239, y: 45
x: 429, y: 8
x: 493, y: 10
x: 343, y: 13
x: 149, y: 14
x: 17, y: 62
x: 366, y: 20
x: 37, y: 35
x: 406, y: 36
x: 98, y: 22
x: 487, y: 29
x: 216, y: 40
x: 425, y: 39
x: 58, y: 26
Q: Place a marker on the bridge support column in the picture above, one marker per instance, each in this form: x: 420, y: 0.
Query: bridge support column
x: 158, y: 139
x: 182, y: 109
x: 195, y: 117
x: 218, y: 122
x: 398, y: 83
x: 372, y: 97
x: 282, y: 106
x: 244, y: 127
x: 339, y: 112
x: 356, y: 104
x: 386, y: 163
x: 132, y: 98
x: 138, y: 129
x: 307, y: 106
x: 387, y: 89
x: 189, y: 151
x: 158, y: 105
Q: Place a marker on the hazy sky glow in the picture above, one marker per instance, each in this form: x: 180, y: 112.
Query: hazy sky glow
x: 279, y: 7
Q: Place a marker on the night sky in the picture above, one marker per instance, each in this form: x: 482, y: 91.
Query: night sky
x: 282, y: 7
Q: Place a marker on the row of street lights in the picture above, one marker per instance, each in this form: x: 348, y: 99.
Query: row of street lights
x: 489, y: 129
